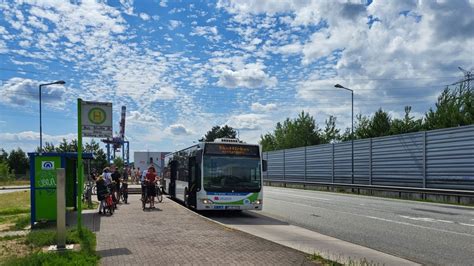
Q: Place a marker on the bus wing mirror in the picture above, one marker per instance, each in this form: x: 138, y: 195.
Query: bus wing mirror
x: 265, y: 165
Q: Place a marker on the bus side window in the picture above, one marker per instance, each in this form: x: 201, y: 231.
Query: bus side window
x: 192, y: 170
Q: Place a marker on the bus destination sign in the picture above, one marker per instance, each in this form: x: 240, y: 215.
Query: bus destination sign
x: 232, y: 149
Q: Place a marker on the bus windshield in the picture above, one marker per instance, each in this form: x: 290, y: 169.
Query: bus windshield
x: 231, y: 173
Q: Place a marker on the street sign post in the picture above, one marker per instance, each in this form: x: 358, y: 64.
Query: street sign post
x: 94, y: 119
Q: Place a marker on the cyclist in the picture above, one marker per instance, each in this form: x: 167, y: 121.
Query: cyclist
x: 151, y: 179
x: 124, y: 188
x: 116, y: 178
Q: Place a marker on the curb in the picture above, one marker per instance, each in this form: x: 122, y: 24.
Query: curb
x: 8, y: 187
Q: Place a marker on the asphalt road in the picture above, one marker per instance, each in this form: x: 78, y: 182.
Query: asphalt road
x: 427, y: 233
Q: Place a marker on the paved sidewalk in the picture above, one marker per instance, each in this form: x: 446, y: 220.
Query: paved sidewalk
x: 173, y: 235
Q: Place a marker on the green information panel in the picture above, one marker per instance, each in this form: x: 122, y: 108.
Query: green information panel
x: 45, y: 186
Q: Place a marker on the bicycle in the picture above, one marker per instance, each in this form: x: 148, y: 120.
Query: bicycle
x: 145, y: 197
x: 124, y: 192
x: 159, y: 193
x: 87, y: 193
x: 109, y: 204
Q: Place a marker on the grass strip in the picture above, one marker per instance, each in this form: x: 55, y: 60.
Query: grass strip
x: 22, y: 222
x: 11, y: 211
x: 40, y: 238
x: 323, y: 261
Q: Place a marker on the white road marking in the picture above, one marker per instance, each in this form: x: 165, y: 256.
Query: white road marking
x: 382, y: 219
x: 467, y: 224
x: 423, y: 219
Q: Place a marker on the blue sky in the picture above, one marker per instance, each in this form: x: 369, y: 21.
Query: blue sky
x: 181, y: 67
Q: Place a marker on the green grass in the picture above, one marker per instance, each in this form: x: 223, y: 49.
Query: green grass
x: 21, y: 222
x: 94, y: 206
x: 323, y: 261
x: 15, y: 202
x: 14, y: 183
x: 5, y: 238
x: 12, y: 211
x: 40, y: 238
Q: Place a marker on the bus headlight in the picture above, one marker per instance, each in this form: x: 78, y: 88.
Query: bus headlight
x: 206, y: 201
x: 258, y: 202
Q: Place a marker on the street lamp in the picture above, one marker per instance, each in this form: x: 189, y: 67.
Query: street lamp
x: 352, y: 127
x: 60, y: 82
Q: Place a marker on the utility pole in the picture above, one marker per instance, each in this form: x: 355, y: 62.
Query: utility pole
x: 468, y: 76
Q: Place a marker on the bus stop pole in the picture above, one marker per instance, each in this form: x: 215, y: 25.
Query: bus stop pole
x: 80, y: 169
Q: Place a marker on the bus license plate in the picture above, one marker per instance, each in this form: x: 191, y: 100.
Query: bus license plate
x: 232, y: 207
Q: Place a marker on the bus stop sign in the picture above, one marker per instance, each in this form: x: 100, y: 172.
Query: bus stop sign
x: 96, y: 119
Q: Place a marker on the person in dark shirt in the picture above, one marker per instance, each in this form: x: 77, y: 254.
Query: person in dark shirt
x: 101, y: 193
x: 116, y: 179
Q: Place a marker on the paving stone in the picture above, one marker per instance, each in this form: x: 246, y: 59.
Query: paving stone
x: 173, y: 235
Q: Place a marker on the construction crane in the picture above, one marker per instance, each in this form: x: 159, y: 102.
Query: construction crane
x: 119, y: 142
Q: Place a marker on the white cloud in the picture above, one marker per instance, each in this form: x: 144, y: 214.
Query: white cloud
x: 29, y: 136
x: 258, y: 107
x: 248, y: 76
x: 21, y: 92
x: 174, y: 24
x: 144, y: 16
x: 247, y: 121
x: 178, y: 130
x: 211, y: 33
x: 164, y: 93
x: 137, y: 117
x: 127, y: 6
x: 164, y: 3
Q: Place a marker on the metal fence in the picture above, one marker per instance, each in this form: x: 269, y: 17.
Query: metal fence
x: 441, y: 159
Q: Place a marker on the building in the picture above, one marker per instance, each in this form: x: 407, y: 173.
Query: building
x: 144, y: 159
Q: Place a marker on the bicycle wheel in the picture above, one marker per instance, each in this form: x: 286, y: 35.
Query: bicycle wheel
x: 111, y: 209
x: 144, y: 199
x: 159, y: 195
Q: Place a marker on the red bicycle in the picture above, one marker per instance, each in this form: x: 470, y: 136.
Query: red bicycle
x: 109, y: 204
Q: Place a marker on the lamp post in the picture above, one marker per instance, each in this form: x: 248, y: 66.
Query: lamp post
x: 352, y: 127
x: 60, y: 82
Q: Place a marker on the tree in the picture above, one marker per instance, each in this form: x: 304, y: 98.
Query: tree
x: 330, y: 132
x: 301, y: 131
x: 118, y: 162
x: 48, y: 147
x: 380, y: 124
x: 219, y: 132
x: 3, y: 156
x: 454, y: 108
x: 18, y: 162
x: 5, y: 173
x: 407, y: 124
x: 362, y: 128
x: 100, y: 161
x: 268, y: 142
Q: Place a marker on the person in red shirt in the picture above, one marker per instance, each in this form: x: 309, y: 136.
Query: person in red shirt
x: 151, y: 179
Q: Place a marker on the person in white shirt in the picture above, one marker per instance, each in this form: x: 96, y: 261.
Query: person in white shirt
x: 107, y: 176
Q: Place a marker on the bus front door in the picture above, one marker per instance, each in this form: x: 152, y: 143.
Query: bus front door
x: 193, y: 184
x: 173, y: 175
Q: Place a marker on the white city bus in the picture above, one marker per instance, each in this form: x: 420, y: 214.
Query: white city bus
x: 222, y: 175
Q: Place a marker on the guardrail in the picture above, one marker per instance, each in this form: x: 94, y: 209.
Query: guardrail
x: 460, y: 196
